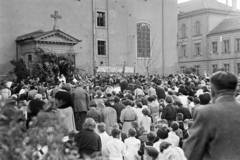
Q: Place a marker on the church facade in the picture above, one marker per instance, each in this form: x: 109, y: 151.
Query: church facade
x: 141, y: 34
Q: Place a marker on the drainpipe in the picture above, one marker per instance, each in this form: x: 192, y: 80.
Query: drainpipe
x: 108, y: 32
x: 163, y: 57
x: 94, y: 32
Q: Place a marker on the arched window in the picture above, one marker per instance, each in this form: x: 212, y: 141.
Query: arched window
x: 143, y: 40
x: 184, y: 31
x: 198, y: 28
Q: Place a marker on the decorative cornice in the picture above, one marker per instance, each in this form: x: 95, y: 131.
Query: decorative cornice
x: 199, y: 11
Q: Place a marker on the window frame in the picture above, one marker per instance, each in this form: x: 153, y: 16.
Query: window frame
x: 226, y: 68
x: 184, y: 48
x: 184, y: 30
x: 215, y: 47
x: 197, y: 28
x: 226, y: 49
x: 183, y: 68
x: 195, y: 48
x: 104, y: 19
x: 238, y: 44
x: 140, y: 44
x: 238, y: 68
x: 101, y: 40
x: 197, y: 67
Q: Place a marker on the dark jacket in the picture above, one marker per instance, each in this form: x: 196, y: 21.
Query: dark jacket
x: 215, y: 132
x: 160, y: 92
x: 118, y: 107
x: 169, y: 113
x: 81, y: 100
x: 186, y: 113
x: 88, y: 142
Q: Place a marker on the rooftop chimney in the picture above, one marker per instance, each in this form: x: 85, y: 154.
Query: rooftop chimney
x: 234, y: 4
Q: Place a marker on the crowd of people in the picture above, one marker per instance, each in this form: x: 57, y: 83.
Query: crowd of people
x: 134, y: 117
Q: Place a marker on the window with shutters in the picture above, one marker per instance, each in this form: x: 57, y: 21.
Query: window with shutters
x: 143, y: 40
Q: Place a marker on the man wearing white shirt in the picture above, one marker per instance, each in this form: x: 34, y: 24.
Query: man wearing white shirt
x: 115, y: 147
x: 104, y: 139
x: 184, y: 99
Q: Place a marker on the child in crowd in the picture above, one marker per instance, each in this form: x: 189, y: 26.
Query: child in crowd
x: 175, y: 134
x: 150, y: 139
x: 104, y: 139
x: 150, y: 153
x: 115, y: 147
x: 146, y: 120
x: 132, y: 145
x: 135, y: 126
x: 179, y: 118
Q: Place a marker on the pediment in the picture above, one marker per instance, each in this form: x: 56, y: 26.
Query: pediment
x: 58, y: 37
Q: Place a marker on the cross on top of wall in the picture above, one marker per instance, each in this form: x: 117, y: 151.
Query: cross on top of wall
x: 55, y: 16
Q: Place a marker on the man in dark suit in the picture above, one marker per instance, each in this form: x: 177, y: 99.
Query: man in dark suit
x: 160, y: 91
x: 81, y: 106
x: 185, y: 111
x: 215, y: 132
x: 118, y: 107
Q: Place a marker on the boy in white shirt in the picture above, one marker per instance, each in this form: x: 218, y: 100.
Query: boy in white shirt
x: 132, y: 145
x: 115, y: 147
x: 172, y: 136
x: 104, y: 139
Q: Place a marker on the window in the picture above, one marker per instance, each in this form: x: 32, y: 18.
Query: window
x: 198, y: 28
x: 184, y: 50
x: 101, y: 19
x: 214, y: 67
x: 226, y: 47
x: 214, y: 47
x: 226, y: 67
x: 183, y: 69
x: 238, y: 44
x: 197, y: 69
x: 101, y: 47
x: 143, y: 40
x: 238, y: 68
x: 29, y: 58
x: 198, y: 48
x: 184, y: 31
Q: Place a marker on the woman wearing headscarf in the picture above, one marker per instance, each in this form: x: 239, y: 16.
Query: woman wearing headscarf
x: 64, y: 103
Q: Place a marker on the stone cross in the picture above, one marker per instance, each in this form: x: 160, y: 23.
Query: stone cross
x: 56, y: 17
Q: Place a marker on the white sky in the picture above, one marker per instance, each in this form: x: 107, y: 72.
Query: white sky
x: 222, y: 1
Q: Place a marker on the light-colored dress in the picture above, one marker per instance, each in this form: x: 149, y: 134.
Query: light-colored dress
x: 127, y: 116
x: 67, y: 118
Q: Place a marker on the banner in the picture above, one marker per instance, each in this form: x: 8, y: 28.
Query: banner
x: 109, y: 69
